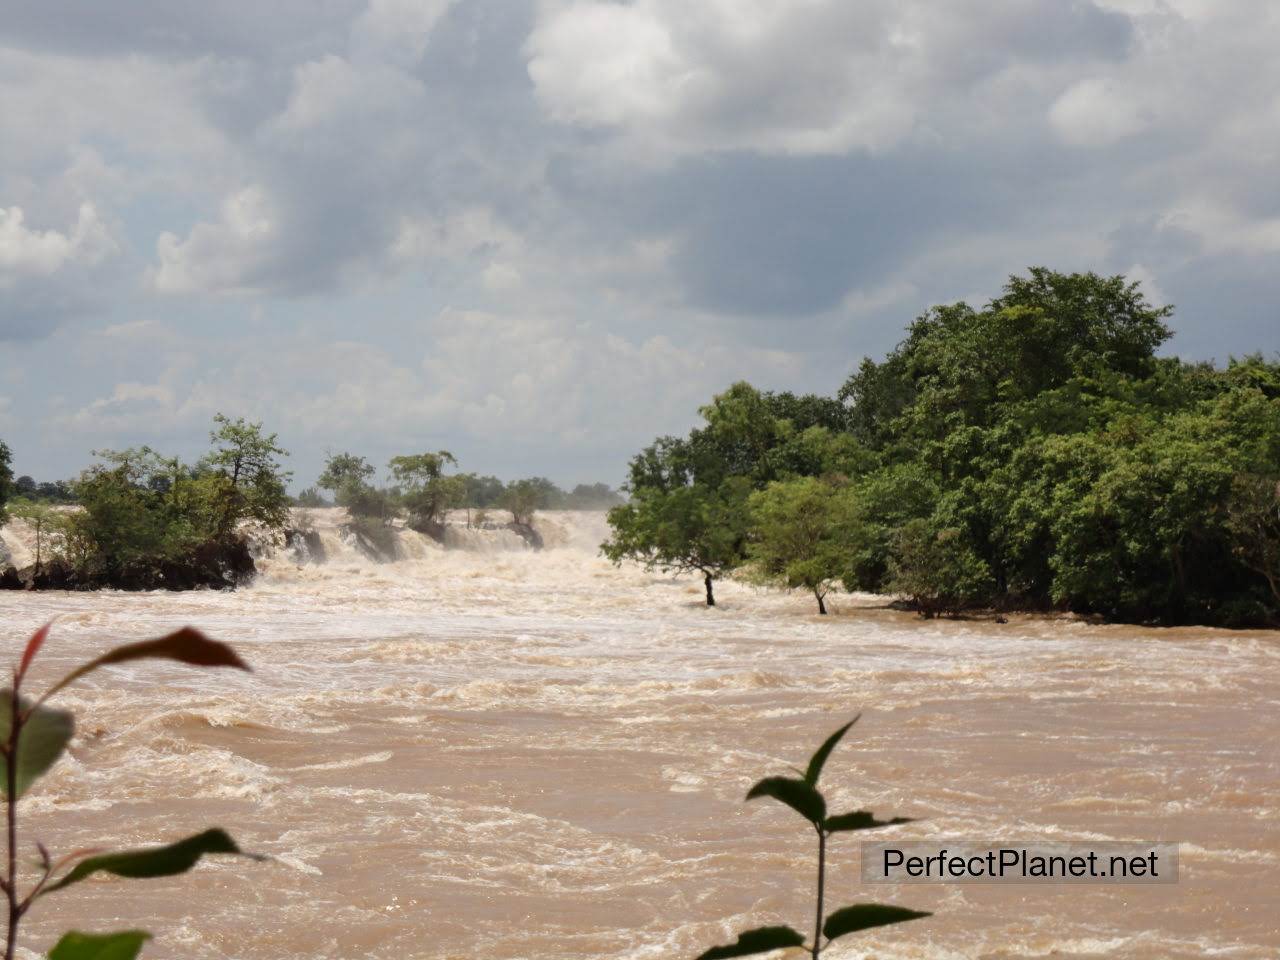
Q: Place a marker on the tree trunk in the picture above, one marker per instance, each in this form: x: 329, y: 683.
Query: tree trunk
x: 711, y: 597
x: 822, y: 607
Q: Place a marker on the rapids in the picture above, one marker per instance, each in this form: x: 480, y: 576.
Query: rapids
x: 496, y: 752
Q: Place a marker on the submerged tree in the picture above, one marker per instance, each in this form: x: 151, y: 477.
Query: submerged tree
x: 685, y: 529
x: 802, y: 535
x: 252, y: 483
x: 426, y: 492
x: 801, y: 794
x: 48, y: 524
x: 936, y: 569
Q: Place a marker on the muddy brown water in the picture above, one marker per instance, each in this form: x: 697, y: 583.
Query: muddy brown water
x: 507, y: 754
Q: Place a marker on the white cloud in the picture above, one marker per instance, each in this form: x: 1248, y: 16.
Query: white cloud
x: 1095, y: 112
x: 44, y: 252
x: 219, y: 257
x: 819, y: 77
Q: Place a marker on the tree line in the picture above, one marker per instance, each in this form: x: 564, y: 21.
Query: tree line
x: 147, y: 520
x: 1032, y: 454
x: 420, y: 488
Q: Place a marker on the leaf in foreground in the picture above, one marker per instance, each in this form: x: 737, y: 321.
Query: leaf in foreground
x: 44, y: 736
x: 796, y: 794
x: 864, y: 916
x: 187, y: 645
x: 860, y: 820
x: 154, y: 861
x: 33, y: 647
x: 99, y: 946
x: 819, y: 758
x: 760, y: 940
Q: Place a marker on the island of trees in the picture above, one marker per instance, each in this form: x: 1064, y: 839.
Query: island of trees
x: 1033, y: 454
x: 139, y: 520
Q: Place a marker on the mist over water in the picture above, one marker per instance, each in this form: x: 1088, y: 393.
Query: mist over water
x: 497, y: 752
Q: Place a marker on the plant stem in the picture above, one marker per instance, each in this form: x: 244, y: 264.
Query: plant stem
x: 11, y: 811
x: 822, y: 877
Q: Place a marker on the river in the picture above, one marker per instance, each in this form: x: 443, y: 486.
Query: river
x: 502, y: 753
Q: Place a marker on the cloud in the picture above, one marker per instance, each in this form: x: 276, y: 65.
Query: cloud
x: 48, y: 276
x: 28, y: 252
x: 826, y: 77
x: 545, y: 231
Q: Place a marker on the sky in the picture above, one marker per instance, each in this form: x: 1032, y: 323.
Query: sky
x: 539, y: 234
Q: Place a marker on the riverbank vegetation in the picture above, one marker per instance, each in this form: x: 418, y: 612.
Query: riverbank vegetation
x: 1035, y: 453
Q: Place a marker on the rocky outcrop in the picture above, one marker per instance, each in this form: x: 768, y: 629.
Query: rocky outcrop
x: 305, y: 546
x: 213, y: 566
x: 531, y: 536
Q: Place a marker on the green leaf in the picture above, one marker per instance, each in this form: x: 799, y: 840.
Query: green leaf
x: 819, y: 759
x: 796, y: 794
x: 864, y: 916
x: 99, y: 946
x: 45, y: 734
x: 860, y: 820
x: 760, y: 940
x: 187, y: 645
x: 154, y: 861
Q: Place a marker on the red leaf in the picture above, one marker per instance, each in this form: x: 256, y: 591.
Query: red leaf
x: 33, y: 647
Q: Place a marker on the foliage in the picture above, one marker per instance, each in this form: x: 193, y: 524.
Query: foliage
x: 801, y: 794
x: 311, y: 498
x: 426, y: 493
x: 341, y: 469
x: 480, y: 491
x: 1035, y: 452
x: 937, y: 569
x: 1253, y: 517
x: 591, y: 496
x: 142, y: 512
x: 524, y: 497
x: 6, y: 480
x: 801, y: 534
x: 688, y: 496
x: 686, y: 528
x: 32, y: 738
x: 48, y: 523
x: 244, y: 471
x: 55, y: 491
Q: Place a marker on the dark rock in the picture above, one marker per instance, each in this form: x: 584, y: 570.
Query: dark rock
x: 306, y: 546
x: 531, y: 536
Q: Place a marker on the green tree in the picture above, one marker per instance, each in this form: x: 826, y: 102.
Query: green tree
x: 48, y: 524
x: 131, y: 523
x: 801, y: 535
x: 1253, y: 518
x: 6, y: 480
x: 693, y: 528
x: 311, y: 497
x: 343, y: 469
x: 523, y: 498
x: 936, y: 569
x: 595, y: 496
x: 426, y: 492
x: 250, y: 482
